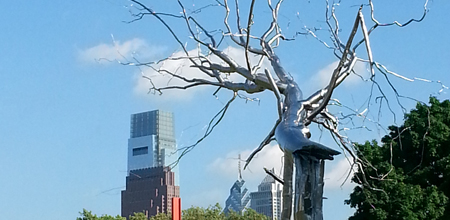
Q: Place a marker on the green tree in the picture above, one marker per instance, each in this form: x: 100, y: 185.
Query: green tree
x: 87, y: 215
x: 199, y: 213
x: 215, y: 213
x: 138, y: 216
x: 253, y: 215
x: 160, y: 216
x: 193, y: 213
x: 408, y: 176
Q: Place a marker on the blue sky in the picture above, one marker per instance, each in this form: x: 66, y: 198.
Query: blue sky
x: 64, y: 117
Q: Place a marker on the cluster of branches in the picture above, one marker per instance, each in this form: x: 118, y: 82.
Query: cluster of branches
x: 219, y: 68
x: 261, y: 70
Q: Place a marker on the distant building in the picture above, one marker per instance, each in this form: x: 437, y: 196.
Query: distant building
x: 151, y: 149
x: 149, y: 190
x: 152, y: 141
x: 239, y: 198
x: 267, y: 200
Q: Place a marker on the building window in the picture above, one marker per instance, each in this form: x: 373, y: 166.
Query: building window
x: 140, y: 151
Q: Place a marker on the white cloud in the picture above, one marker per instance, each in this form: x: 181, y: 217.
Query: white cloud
x: 118, y: 51
x: 322, y: 77
x: 335, y: 178
x: 270, y: 157
x: 148, y: 77
x: 145, y: 77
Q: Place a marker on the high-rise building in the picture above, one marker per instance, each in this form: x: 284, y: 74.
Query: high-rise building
x: 239, y: 198
x: 267, y: 200
x: 152, y: 151
x: 149, y: 190
x: 152, y: 141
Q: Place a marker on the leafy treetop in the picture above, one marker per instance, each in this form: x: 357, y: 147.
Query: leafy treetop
x: 408, y: 176
x: 193, y: 213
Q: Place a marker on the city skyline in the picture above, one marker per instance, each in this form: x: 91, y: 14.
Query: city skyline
x: 265, y: 200
x: 152, y: 151
x: 66, y: 100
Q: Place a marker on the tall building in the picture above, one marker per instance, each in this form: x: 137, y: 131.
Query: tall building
x: 267, y: 200
x: 149, y: 190
x: 150, y: 182
x: 239, y: 198
x: 152, y: 141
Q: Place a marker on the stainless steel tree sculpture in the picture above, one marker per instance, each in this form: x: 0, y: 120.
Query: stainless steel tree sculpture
x: 296, y: 113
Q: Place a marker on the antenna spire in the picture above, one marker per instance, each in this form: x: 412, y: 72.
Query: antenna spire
x: 239, y: 167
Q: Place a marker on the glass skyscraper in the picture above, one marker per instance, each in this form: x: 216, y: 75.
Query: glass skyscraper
x: 239, y: 198
x: 152, y: 141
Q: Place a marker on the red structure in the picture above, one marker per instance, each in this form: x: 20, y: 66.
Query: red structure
x: 149, y: 190
x: 176, y: 208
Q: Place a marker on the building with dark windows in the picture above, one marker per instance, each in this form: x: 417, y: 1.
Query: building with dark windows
x: 152, y: 150
x: 149, y: 190
x: 267, y: 200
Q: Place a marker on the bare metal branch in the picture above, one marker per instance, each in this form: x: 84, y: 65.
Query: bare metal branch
x: 269, y: 138
x: 366, y: 39
x: 336, y: 72
x: 270, y: 173
x: 276, y: 91
x: 212, y: 124
x: 295, y: 114
x: 247, y: 42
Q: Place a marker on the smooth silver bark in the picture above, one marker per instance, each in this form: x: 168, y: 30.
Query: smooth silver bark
x: 295, y: 112
x: 293, y: 137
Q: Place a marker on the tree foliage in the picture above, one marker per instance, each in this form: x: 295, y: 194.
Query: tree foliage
x: 160, y: 216
x: 87, y: 215
x: 193, y: 213
x: 215, y: 213
x: 408, y: 176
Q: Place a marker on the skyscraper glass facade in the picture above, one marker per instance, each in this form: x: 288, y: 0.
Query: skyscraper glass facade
x: 239, y: 198
x: 152, y: 141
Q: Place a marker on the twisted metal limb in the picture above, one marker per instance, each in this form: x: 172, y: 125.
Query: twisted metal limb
x: 295, y: 113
